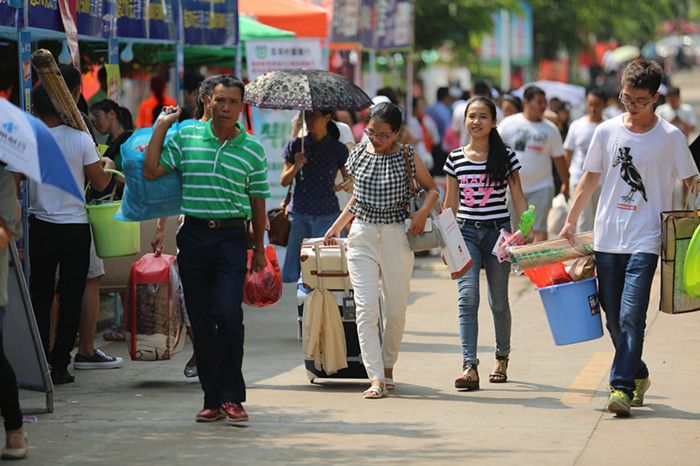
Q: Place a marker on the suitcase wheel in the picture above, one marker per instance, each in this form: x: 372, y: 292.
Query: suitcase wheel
x: 311, y: 376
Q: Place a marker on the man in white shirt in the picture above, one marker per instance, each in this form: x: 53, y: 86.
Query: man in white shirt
x: 678, y: 114
x: 614, y: 109
x: 576, y: 146
x: 536, y: 141
x: 59, y: 237
x: 640, y: 156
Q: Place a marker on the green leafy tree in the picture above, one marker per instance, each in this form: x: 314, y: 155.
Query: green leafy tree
x: 459, y: 24
x: 558, y: 24
x: 568, y: 24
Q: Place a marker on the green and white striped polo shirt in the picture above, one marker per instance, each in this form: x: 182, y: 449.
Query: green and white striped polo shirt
x: 217, y: 180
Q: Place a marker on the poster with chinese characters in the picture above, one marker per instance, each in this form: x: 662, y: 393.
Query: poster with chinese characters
x: 280, y: 54
x: 273, y: 128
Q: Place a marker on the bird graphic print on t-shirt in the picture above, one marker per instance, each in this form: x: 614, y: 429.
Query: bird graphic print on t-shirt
x: 630, y: 175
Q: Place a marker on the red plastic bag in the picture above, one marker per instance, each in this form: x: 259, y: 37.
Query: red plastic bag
x: 263, y: 288
x: 548, y: 275
x: 154, y: 319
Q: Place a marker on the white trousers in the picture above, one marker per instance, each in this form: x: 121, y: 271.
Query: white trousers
x: 379, y: 251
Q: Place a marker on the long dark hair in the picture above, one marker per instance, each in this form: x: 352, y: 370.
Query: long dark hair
x: 331, y: 127
x: 123, y: 114
x: 498, y: 159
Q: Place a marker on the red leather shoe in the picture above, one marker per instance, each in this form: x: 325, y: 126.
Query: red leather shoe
x: 209, y: 415
x: 234, y: 412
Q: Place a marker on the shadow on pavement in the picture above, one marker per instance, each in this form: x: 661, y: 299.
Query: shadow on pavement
x: 655, y: 410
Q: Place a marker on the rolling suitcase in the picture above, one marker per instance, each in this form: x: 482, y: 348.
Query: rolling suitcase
x: 331, y: 267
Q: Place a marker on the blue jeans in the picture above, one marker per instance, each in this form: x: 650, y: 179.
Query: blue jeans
x: 624, y: 285
x: 480, y: 242
x: 212, y: 265
x: 303, y: 226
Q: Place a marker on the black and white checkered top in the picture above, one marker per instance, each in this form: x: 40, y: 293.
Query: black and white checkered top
x: 381, y: 185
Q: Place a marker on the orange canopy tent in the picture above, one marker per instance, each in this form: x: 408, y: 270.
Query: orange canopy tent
x: 305, y: 19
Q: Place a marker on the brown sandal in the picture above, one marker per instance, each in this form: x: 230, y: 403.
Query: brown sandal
x: 499, y: 375
x: 113, y: 335
x: 465, y: 383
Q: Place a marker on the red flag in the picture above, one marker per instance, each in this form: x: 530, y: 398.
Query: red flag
x: 69, y: 16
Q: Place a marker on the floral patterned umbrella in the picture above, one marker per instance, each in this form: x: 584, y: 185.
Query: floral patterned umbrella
x: 302, y: 89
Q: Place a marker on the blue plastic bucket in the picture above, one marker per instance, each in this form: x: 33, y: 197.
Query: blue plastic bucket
x: 573, y: 311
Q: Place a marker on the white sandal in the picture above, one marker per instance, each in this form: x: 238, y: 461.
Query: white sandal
x: 374, y: 392
x: 389, y: 384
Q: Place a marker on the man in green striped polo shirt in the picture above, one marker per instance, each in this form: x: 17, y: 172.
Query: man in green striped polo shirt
x: 224, y: 182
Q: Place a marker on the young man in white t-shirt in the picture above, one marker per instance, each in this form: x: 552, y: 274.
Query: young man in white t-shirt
x: 59, y: 237
x: 640, y: 156
x: 537, y: 142
x: 678, y: 114
x: 576, y: 146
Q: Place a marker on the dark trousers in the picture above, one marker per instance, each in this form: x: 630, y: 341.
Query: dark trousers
x: 9, y: 398
x: 52, y: 245
x: 212, y: 264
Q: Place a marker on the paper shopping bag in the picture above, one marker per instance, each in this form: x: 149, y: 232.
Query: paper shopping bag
x: 455, y: 251
x: 677, y: 228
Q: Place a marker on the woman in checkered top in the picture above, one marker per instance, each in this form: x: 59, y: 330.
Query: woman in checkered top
x: 478, y: 175
x: 377, y: 244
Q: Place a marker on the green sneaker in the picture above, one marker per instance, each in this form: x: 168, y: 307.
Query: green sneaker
x: 640, y: 388
x: 619, y: 403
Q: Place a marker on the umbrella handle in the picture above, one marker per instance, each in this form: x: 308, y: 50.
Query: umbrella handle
x: 303, y: 131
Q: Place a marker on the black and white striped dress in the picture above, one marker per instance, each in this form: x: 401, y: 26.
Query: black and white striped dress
x: 478, y: 199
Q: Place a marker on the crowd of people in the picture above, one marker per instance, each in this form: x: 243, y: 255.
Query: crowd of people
x: 499, y: 154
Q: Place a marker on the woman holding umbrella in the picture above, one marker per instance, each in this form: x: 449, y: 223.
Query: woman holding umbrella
x: 312, y: 164
x: 377, y: 244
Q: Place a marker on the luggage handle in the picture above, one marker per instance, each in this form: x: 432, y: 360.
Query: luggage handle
x: 329, y: 274
x: 343, y: 264
x: 317, y: 243
x: 317, y: 253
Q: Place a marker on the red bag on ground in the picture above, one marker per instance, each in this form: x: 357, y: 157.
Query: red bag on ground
x: 263, y: 288
x: 154, y: 317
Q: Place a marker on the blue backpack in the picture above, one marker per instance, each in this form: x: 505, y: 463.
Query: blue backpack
x: 148, y: 199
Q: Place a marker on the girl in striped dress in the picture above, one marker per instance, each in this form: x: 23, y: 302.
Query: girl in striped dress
x: 477, y: 177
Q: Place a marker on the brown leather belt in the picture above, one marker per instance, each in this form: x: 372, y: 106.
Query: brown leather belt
x: 216, y: 223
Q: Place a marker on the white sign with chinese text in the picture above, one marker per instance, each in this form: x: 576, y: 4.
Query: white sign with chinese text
x: 273, y: 128
x: 281, y: 54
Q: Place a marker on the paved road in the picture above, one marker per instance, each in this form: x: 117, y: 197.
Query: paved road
x: 550, y: 412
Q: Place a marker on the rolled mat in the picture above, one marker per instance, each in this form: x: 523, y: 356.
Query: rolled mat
x: 61, y: 98
x: 550, y: 252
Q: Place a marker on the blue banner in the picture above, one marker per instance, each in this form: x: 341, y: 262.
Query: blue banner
x: 394, y: 27
x: 367, y: 23
x: 345, y: 28
x: 91, y: 18
x: 131, y: 18
x: 386, y: 24
x: 163, y: 19
x: 210, y: 22
x: 45, y: 15
x: 206, y: 22
x: 8, y: 15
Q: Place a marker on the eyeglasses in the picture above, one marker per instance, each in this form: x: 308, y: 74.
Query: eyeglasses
x: 628, y: 102
x: 379, y: 137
